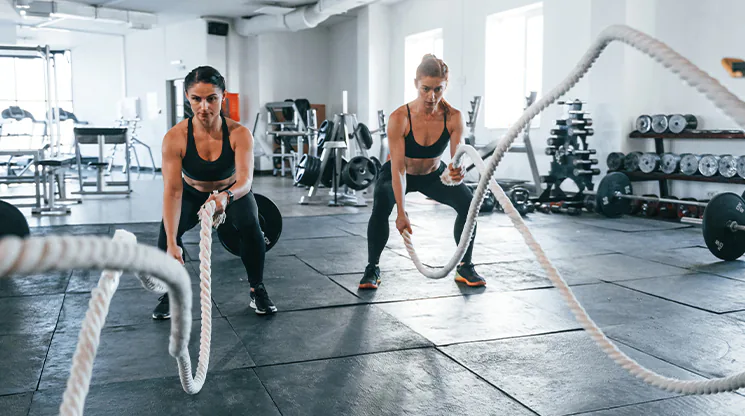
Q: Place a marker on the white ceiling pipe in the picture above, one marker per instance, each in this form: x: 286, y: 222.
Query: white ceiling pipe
x: 301, y: 18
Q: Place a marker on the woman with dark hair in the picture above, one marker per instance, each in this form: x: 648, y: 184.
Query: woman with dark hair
x: 418, y: 134
x: 201, y: 154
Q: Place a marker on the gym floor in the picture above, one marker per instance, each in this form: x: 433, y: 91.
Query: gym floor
x: 415, y: 346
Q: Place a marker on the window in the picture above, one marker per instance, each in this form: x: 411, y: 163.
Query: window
x: 514, y: 64
x: 415, y: 48
x: 23, y: 80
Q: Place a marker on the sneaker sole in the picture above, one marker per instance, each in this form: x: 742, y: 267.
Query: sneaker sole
x: 161, y: 318
x: 260, y: 312
x: 369, y: 285
x: 462, y: 279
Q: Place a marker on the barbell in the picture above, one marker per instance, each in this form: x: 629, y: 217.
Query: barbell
x: 614, y: 195
x: 723, y: 221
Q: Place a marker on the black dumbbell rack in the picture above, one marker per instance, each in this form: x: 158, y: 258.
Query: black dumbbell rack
x: 659, y: 148
x: 572, y: 157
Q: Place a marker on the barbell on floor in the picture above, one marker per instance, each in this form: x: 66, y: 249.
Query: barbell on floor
x: 614, y: 195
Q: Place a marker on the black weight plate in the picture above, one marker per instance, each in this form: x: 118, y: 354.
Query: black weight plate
x: 365, y: 136
x: 610, y: 206
x: 359, y: 173
x: 719, y: 213
x: 13, y: 221
x: 307, y: 170
x: 270, y: 221
x: 378, y: 166
x: 324, y: 133
x: 615, y: 161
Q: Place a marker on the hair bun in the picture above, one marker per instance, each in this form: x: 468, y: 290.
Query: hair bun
x: 430, y: 56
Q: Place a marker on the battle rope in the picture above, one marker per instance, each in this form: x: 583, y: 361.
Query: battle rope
x: 711, y: 88
x: 115, y: 256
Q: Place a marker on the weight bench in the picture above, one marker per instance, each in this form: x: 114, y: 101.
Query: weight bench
x: 100, y: 136
x: 50, y: 169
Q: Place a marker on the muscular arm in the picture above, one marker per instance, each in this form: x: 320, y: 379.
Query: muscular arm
x: 396, y: 129
x: 244, y: 162
x: 172, y: 185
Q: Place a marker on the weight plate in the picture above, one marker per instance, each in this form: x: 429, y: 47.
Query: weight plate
x: 722, y: 242
x: 708, y: 165
x: 307, y: 170
x: 649, y: 162
x: 631, y: 161
x: 610, y: 205
x: 13, y: 221
x: 364, y: 135
x: 644, y: 124
x: 669, y: 162
x: 270, y: 221
x: 689, y: 163
x: 359, y: 173
x: 659, y: 123
x: 740, y: 166
x: 727, y: 166
x: 378, y: 166
x: 615, y: 161
x: 324, y: 132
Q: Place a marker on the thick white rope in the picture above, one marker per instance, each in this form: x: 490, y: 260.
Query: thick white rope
x: 155, y: 269
x: 711, y: 88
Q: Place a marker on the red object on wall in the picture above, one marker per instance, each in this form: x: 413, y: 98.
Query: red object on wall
x: 231, y: 106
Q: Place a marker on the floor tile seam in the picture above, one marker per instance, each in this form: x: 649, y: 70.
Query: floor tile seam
x: 479, y: 377
x: 620, y: 284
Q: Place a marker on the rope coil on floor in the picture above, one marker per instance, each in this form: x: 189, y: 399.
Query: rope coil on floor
x: 157, y: 271
x: 695, y: 77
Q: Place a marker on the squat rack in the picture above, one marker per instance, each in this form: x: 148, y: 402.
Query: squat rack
x: 52, y: 132
x: 50, y: 93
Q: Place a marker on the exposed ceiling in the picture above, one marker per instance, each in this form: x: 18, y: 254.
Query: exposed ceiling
x: 64, y: 31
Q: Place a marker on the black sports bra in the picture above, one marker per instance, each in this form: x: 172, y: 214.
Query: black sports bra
x: 199, y: 169
x: 415, y: 150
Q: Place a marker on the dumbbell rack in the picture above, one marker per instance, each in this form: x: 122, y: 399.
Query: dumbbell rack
x: 662, y: 178
x: 571, y: 157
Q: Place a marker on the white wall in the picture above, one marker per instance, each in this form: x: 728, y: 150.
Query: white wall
x: 98, y: 79
x: 146, y: 68
x: 342, y: 73
x: 7, y: 32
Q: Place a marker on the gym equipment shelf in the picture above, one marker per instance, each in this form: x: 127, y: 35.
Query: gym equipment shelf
x: 691, y: 134
x: 659, y: 148
x: 659, y: 176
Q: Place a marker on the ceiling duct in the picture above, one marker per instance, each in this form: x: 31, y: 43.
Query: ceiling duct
x: 301, y: 18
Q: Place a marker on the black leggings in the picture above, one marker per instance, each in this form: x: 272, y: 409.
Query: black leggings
x: 243, y: 213
x: 458, y: 197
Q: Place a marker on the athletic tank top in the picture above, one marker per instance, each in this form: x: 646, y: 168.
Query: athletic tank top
x: 199, y: 169
x: 415, y: 150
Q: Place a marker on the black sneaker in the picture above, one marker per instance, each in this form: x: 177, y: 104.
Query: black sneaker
x: 163, y: 310
x: 466, y: 273
x: 371, y: 278
x: 260, y: 300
